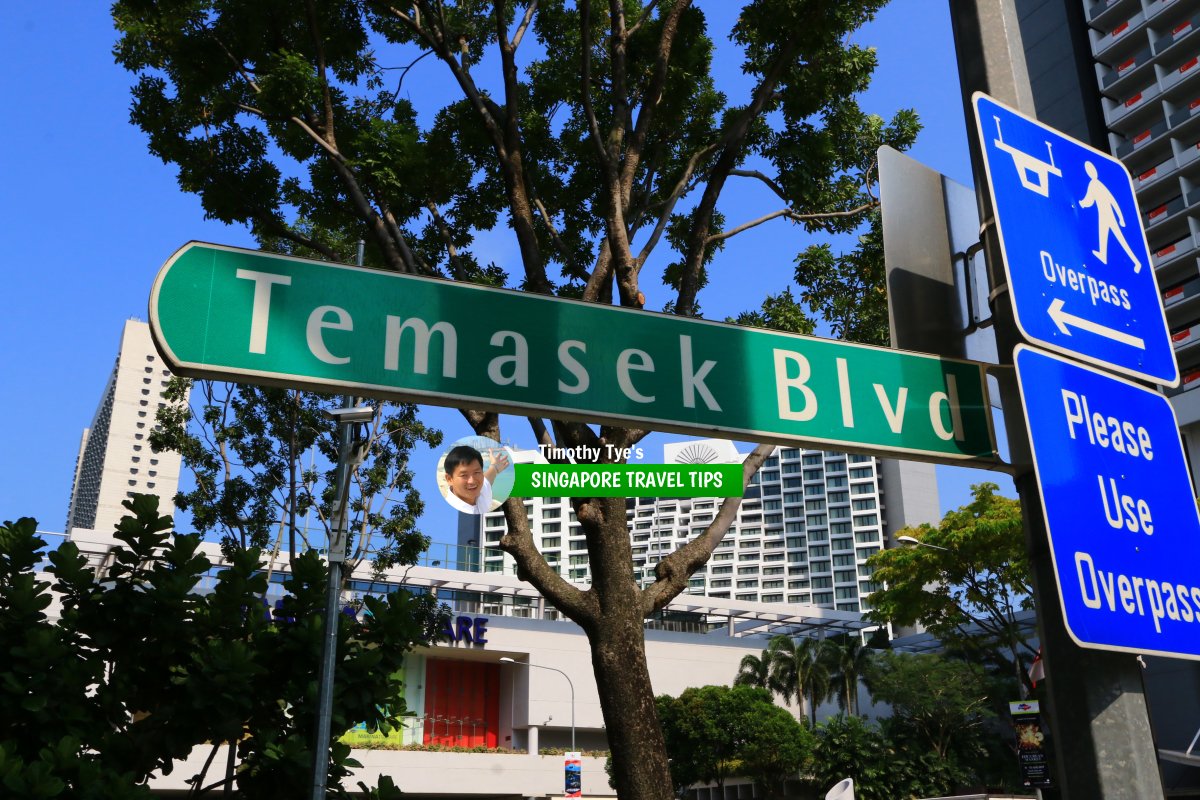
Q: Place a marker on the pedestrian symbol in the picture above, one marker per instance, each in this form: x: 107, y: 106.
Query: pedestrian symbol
x: 1108, y: 213
x: 1063, y: 214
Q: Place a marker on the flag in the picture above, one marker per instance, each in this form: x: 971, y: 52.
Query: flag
x: 1037, y: 670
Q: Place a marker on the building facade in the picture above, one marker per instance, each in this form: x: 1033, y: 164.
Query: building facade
x: 115, y: 460
x: 809, y: 521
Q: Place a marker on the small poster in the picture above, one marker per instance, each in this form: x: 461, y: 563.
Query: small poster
x: 1031, y: 754
x: 573, y: 786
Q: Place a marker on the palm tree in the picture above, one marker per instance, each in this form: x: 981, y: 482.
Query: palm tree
x: 754, y: 671
x: 798, y: 671
x: 847, y: 660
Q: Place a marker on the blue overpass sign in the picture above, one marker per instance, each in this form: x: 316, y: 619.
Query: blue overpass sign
x: 1074, y: 247
x: 1123, y: 526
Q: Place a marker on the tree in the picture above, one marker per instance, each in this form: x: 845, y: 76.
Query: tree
x: 800, y: 672
x: 713, y: 733
x: 246, y: 445
x: 754, y: 670
x: 942, y: 703
x: 882, y: 767
x: 141, y: 668
x: 968, y: 586
x: 848, y: 661
x: 592, y: 134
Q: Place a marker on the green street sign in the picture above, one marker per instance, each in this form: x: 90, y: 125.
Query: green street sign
x: 242, y: 315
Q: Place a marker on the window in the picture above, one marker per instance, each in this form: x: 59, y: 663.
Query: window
x: 863, y: 537
x: 721, y: 583
x: 748, y: 545
x: 816, y: 519
x: 772, y: 571
x: 839, y: 527
x: 819, y: 566
x: 862, y: 472
x: 789, y: 452
x: 551, y: 513
x: 846, y: 592
x: 794, y: 497
x: 722, y: 570
x: 751, y: 583
x: 867, y: 504
x: 839, y: 497
x: 722, y: 557
x: 812, y: 460
x: 845, y: 575
x: 862, y: 488
x: 866, y: 552
x: 551, y: 527
x: 822, y: 597
x: 552, y: 541
x: 747, y: 556
x: 772, y: 598
x: 836, y: 483
x: 772, y: 505
x: 843, y: 545
x: 812, y: 474
x: 846, y: 560
x: 814, y: 505
x: 860, y: 459
x: 791, y: 483
x: 819, y: 551
x: 865, y: 571
x: 772, y: 584
x: 866, y: 519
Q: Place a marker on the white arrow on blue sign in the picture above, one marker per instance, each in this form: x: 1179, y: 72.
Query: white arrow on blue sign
x: 1074, y: 248
x: 1123, y: 526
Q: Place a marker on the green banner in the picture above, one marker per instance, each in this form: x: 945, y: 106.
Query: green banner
x: 242, y: 315
x: 628, y: 480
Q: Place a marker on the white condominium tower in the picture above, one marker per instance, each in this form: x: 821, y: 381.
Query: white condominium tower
x: 808, y: 523
x: 114, y: 459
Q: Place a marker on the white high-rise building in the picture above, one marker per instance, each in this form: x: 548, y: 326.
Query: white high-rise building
x: 808, y: 523
x: 115, y: 460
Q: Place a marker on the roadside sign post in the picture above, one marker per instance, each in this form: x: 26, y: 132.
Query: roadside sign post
x: 1103, y: 743
x: 234, y: 314
x: 1124, y: 530
x: 1074, y: 250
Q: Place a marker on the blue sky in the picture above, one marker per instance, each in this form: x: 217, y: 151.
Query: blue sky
x: 90, y: 216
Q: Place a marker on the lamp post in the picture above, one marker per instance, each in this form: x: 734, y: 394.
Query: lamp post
x: 507, y: 660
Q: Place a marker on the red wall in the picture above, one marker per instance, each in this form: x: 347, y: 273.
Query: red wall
x: 457, y: 694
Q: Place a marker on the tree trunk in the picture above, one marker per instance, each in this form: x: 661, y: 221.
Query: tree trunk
x: 640, y: 770
x: 617, y: 638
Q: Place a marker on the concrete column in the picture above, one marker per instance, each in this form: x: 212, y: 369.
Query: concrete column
x: 531, y: 739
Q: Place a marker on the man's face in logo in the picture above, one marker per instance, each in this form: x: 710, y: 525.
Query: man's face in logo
x: 466, y: 481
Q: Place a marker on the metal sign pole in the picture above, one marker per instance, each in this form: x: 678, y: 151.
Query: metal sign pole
x: 1103, y: 746
x: 336, y: 555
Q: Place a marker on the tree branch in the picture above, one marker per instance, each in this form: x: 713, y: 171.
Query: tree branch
x: 790, y: 214
x: 643, y: 16
x: 672, y: 572
x: 733, y: 140
x: 680, y: 189
x: 520, y: 34
x: 753, y: 173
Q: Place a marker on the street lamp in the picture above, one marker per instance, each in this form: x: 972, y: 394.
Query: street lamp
x: 916, y: 541
x: 507, y: 660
